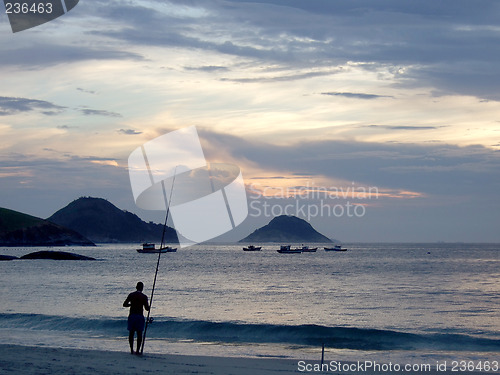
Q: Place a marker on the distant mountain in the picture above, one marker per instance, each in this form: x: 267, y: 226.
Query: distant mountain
x: 286, y: 229
x: 101, y: 221
x: 18, y: 229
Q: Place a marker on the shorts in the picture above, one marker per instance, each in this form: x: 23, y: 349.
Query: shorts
x: 136, y: 322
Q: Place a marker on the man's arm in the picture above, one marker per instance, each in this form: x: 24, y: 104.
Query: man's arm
x: 127, y: 302
x: 146, y: 304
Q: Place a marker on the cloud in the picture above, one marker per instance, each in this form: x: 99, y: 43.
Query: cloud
x: 86, y: 91
x: 54, y: 54
x: 449, y: 48
x: 452, y: 49
x: 433, y: 169
x: 285, y: 78
x: 208, y: 68
x: 356, y: 95
x: 270, y: 178
x: 66, y: 127
x: 401, y: 127
x: 14, y: 105
x: 41, y: 185
x: 98, y: 112
x: 129, y: 132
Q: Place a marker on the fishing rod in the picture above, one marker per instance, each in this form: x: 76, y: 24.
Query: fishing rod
x: 158, y: 261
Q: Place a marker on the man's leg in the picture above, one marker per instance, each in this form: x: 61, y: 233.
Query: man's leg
x: 131, y: 341
x: 139, y: 342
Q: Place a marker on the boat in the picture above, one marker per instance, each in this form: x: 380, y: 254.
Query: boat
x: 307, y: 249
x: 150, y: 248
x: 288, y: 250
x: 168, y: 249
x: 252, y: 248
x: 335, y: 248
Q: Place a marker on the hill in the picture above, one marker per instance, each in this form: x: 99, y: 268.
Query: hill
x: 286, y: 229
x: 101, y: 221
x: 18, y: 229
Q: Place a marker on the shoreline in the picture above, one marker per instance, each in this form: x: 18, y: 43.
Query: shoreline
x: 38, y: 360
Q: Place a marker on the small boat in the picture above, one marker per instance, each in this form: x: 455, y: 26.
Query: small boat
x: 335, y: 248
x: 288, y: 250
x: 150, y: 248
x: 252, y: 248
x: 307, y: 249
x: 168, y: 249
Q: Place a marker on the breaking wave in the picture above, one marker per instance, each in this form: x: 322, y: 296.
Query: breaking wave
x: 235, y: 332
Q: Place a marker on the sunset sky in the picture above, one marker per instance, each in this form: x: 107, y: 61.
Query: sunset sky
x: 400, y: 96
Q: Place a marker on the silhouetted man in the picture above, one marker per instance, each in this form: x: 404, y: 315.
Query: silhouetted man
x: 136, y: 301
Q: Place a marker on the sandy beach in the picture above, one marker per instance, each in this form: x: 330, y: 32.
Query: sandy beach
x: 27, y: 360
x: 57, y: 361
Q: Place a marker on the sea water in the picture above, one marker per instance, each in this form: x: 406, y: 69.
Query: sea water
x: 404, y: 303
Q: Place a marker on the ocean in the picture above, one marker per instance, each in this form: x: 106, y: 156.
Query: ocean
x: 404, y: 303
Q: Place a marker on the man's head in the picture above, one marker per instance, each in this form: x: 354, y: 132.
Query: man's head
x: 140, y: 286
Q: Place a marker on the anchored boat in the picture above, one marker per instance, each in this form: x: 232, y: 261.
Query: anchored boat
x: 335, y: 248
x: 286, y: 249
x: 252, y: 248
x: 150, y: 248
x: 307, y: 249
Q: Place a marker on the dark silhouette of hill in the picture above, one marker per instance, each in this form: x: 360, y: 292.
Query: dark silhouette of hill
x: 286, y: 229
x: 18, y: 229
x: 101, y: 221
x: 56, y: 255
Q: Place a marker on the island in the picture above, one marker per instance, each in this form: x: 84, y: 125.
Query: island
x: 102, y: 222
x: 55, y: 255
x: 19, y: 229
x: 286, y: 229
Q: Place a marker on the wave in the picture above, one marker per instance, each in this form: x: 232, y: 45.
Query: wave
x: 234, y: 332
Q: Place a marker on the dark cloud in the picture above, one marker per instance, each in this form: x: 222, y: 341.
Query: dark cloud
x: 269, y: 178
x: 129, y: 132
x: 98, y: 112
x: 284, y: 78
x: 448, y: 45
x: 400, y: 127
x: 44, y: 185
x: 434, y: 169
x: 14, y: 105
x: 86, y: 91
x: 354, y: 8
x: 356, y: 95
x: 50, y: 54
x: 207, y: 68
x: 161, y: 37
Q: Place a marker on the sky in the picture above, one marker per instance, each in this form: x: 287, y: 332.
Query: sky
x: 374, y: 120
